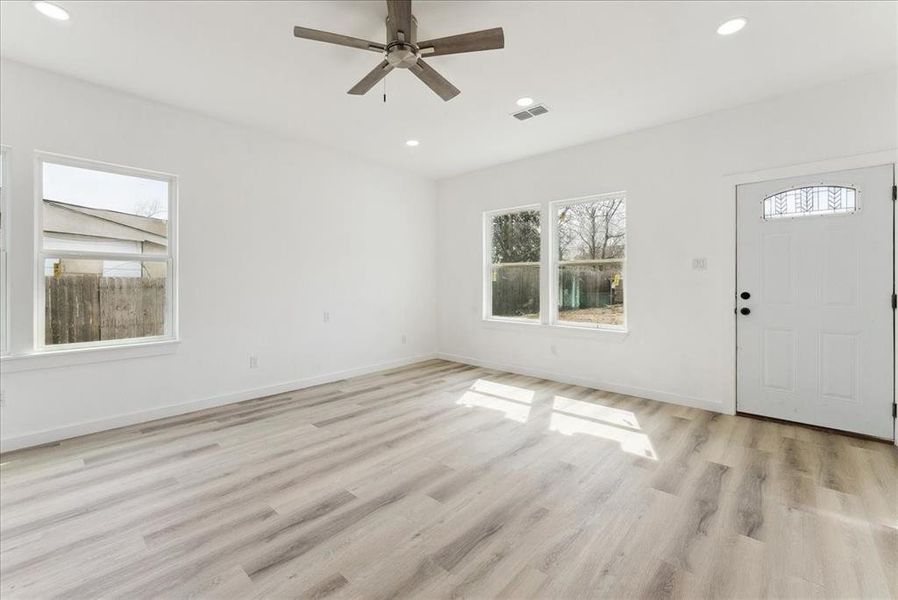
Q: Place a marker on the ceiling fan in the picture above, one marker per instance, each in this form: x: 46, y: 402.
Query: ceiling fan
x: 402, y: 49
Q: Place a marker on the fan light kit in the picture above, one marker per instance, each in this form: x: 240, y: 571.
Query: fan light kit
x: 732, y: 26
x: 48, y: 9
x: 402, y: 49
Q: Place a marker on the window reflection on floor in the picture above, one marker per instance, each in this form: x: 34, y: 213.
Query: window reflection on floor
x: 511, y: 400
x: 567, y: 416
x: 502, y: 390
x: 607, y: 414
x: 630, y: 441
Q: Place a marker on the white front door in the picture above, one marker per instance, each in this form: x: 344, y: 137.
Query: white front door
x: 814, y: 300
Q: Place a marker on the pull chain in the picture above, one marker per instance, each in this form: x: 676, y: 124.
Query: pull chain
x: 385, y: 90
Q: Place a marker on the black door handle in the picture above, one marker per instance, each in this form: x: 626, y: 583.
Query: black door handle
x: 744, y: 310
x: 745, y: 295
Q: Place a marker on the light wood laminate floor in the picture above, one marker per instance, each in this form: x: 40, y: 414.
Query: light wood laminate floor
x: 443, y: 480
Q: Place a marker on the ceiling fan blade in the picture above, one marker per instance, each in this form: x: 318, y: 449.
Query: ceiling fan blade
x: 400, y: 13
x: 336, y: 38
x: 434, y: 80
x: 369, y: 80
x: 488, y: 39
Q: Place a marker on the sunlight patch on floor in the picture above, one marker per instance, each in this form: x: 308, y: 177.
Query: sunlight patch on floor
x: 502, y: 390
x: 566, y: 415
x: 515, y: 411
x: 633, y: 442
x: 612, y: 416
x: 509, y: 399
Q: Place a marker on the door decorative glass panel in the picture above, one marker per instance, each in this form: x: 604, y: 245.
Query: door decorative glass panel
x: 811, y: 200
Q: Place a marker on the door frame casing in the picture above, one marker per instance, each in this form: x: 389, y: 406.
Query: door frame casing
x: 811, y: 169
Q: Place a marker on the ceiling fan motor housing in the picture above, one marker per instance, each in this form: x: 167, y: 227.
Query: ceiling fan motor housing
x: 401, y: 56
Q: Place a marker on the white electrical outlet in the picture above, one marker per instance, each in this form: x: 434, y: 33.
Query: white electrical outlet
x: 253, y: 362
x: 327, y: 317
x: 404, y: 338
x: 700, y: 264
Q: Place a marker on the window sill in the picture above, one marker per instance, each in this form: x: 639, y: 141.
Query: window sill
x: 511, y: 321
x: 65, y: 357
x: 606, y: 333
x: 609, y: 333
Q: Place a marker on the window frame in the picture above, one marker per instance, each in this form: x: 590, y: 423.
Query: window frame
x: 4, y: 250
x: 487, y: 231
x: 555, y: 263
x: 40, y: 255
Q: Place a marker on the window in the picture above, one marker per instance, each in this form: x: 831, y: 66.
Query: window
x: 106, y: 259
x: 589, y: 249
x: 512, y: 277
x: 811, y: 200
x: 4, y: 229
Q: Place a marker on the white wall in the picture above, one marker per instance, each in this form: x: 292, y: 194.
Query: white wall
x: 272, y: 233
x: 681, y: 204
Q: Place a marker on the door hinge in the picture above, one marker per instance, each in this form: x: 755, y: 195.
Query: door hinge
x: 894, y: 410
x: 894, y: 301
x: 895, y: 192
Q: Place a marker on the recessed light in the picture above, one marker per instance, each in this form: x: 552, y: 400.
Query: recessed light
x: 48, y: 9
x: 411, y: 142
x: 732, y: 26
x: 525, y: 101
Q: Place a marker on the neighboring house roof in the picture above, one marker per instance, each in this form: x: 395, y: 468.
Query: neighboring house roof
x: 82, y: 221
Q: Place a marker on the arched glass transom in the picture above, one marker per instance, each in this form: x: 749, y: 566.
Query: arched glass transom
x: 811, y: 200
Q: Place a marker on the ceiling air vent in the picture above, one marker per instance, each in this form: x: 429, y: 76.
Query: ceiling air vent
x: 536, y: 111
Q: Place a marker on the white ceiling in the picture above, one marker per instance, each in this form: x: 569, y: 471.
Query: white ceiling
x: 603, y: 68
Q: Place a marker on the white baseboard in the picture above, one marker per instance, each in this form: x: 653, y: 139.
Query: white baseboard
x: 592, y: 383
x: 78, y: 429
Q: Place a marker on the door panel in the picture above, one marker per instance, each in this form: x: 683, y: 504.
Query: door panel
x: 777, y: 269
x: 838, y: 367
x: 779, y: 360
x: 815, y: 255
x: 840, y: 269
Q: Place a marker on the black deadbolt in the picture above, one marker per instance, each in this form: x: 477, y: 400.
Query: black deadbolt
x: 745, y: 295
x: 745, y: 310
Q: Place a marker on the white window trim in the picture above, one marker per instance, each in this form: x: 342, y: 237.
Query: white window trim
x: 66, y: 356
x: 4, y: 250
x: 487, y: 287
x: 554, y: 264
x: 171, y: 258
x: 548, y: 264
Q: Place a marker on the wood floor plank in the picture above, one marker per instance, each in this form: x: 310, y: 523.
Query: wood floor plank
x: 443, y: 480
